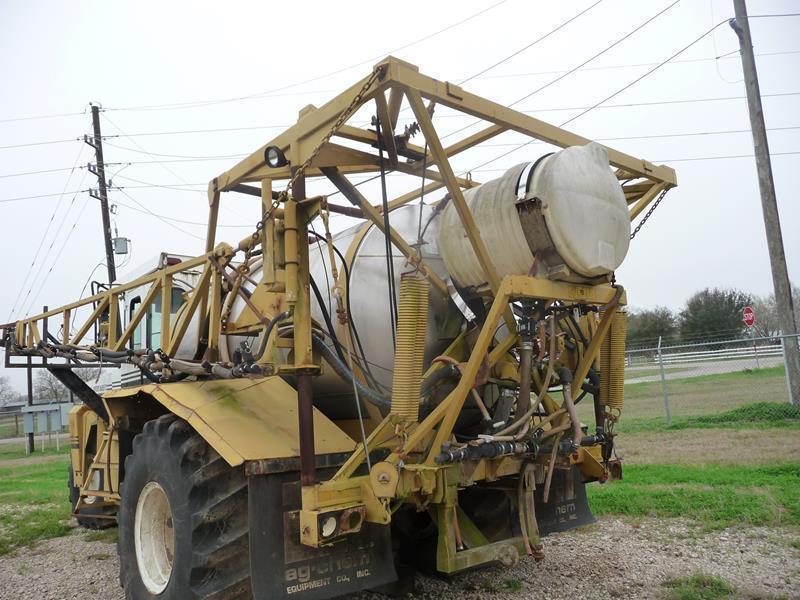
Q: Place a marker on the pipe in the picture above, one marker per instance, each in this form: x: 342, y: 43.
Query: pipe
x: 525, y: 358
x: 305, y: 415
x: 566, y: 384
x: 545, y: 385
x: 475, y: 396
x: 550, y: 467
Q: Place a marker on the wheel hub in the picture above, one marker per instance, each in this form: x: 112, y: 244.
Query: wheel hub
x: 154, y: 537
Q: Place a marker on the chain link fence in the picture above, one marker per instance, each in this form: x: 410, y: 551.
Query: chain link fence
x: 676, y: 382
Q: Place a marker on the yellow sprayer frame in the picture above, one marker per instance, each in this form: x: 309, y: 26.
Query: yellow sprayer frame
x: 313, y: 142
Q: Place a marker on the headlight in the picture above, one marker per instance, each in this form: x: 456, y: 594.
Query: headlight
x: 275, y: 157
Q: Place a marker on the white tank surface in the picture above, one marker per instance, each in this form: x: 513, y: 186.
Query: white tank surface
x: 567, y: 209
x: 369, y: 293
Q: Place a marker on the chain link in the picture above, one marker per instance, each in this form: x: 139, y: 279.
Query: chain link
x: 649, y: 212
x: 244, y: 268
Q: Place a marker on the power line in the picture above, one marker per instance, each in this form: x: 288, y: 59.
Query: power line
x: 183, y: 221
x: 646, y: 74
x: 159, y: 217
x: 616, y: 93
x: 201, y: 103
x: 632, y: 65
x: 8, y: 175
x: 39, y: 143
x: 58, y: 254
x: 181, y: 187
x: 129, y: 149
x: 672, y: 160
x: 660, y: 135
x: 732, y: 156
x: 44, y: 235
x: 38, y: 117
x: 52, y: 243
x: 530, y: 45
x: 575, y: 68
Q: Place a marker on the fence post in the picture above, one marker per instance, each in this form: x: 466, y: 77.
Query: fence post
x: 786, y: 368
x: 664, y: 384
x: 16, y: 425
x: 755, y: 350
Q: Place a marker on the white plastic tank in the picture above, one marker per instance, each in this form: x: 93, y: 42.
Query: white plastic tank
x: 567, y: 208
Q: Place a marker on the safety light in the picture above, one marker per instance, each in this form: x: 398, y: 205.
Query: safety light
x: 328, y: 526
x: 275, y: 157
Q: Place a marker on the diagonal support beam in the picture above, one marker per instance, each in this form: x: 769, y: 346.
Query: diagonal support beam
x: 473, y: 233
x: 356, y: 197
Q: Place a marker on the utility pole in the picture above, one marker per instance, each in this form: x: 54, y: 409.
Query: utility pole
x: 99, y: 170
x: 769, y: 205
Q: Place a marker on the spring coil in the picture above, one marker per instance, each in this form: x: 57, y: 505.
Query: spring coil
x: 412, y: 326
x: 612, y: 363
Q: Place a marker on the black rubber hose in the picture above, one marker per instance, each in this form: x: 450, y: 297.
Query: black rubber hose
x: 279, y: 317
x: 326, y: 315
x: 344, y: 372
x: 356, y: 337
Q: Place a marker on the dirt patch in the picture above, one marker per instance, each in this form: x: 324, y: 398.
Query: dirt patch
x: 710, y: 446
x: 613, y: 559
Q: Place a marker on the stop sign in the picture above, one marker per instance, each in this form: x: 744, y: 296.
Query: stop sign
x: 748, y: 316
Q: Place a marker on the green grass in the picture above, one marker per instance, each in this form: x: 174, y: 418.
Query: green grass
x: 756, y: 415
x: 513, y: 585
x: 637, y: 373
x: 698, y: 587
x: 33, y: 504
x: 109, y: 536
x: 714, y: 495
x: 695, y: 396
x: 17, y: 450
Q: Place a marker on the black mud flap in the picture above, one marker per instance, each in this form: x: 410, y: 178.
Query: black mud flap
x: 567, y: 507
x: 282, y: 567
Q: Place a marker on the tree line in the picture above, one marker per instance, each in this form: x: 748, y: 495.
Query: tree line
x: 46, y: 388
x: 710, y: 314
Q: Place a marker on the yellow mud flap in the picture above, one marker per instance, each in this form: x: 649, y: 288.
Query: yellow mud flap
x: 242, y: 419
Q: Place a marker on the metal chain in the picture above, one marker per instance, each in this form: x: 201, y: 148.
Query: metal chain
x: 244, y: 268
x: 649, y: 212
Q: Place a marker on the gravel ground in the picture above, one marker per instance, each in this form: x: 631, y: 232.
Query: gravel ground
x: 631, y: 559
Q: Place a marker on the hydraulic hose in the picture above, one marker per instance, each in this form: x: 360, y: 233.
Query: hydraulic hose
x: 279, y: 317
x: 345, y: 373
x: 566, y: 385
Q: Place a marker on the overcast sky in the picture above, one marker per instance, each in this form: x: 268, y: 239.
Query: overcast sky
x: 133, y: 58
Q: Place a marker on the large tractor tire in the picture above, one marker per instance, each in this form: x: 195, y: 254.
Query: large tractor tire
x: 183, y: 530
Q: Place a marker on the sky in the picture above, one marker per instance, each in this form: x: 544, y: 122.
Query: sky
x: 161, y: 71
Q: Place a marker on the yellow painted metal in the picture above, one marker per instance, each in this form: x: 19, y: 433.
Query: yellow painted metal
x: 412, y: 326
x: 646, y: 199
x: 166, y: 305
x: 144, y: 307
x: 244, y: 419
x: 198, y: 295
